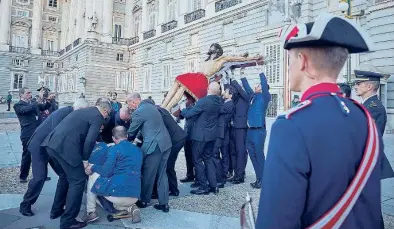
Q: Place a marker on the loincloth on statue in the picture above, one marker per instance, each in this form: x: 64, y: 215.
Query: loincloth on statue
x: 195, y: 84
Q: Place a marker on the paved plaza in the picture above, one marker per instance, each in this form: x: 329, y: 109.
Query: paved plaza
x: 191, y: 212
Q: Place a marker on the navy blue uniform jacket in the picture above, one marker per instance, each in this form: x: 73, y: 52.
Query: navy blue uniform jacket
x: 46, y: 127
x: 120, y: 176
x: 28, y: 114
x: 241, y: 104
x: 258, y: 102
x: 206, y: 112
x: 313, y: 155
x: 75, y: 137
x: 226, y: 112
x: 120, y: 122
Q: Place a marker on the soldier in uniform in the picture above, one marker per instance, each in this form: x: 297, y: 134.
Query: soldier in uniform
x: 322, y: 167
x: 367, y: 84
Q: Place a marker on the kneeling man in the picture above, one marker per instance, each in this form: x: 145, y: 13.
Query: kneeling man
x: 118, y: 180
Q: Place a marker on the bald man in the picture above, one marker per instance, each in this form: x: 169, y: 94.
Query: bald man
x: 122, y: 118
x: 203, y: 135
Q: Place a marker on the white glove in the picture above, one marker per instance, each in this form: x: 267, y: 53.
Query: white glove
x: 110, y: 144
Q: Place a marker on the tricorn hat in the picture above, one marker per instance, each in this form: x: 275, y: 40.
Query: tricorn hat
x: 327, y: 30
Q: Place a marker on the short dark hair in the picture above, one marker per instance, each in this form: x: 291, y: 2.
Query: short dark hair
x: 114, y: 93
x: 119, y: 132
x: 22, y: 90
x: 345, y: 89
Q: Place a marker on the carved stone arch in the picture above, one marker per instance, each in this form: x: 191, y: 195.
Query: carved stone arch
x: 51, y: 29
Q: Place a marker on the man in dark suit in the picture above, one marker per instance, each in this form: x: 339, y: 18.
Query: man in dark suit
x: 178, y: 137
x: 367, y: 84
x: 203, y: 136
x: 239, y: 121
x: 221, y: 151
x: 40, y: 158
x: 106, y: 132
x: 122, y: 118
x: 69, y: 144
x: 156, y: 147
x: 28, y: 113
x: 189, y: 122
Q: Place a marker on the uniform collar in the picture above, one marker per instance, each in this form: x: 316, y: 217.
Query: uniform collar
x: 321, y: 88
x: 365, y: 100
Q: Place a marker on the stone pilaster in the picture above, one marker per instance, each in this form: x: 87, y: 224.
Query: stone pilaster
x: 79, y: 30
x: 5, y: 21
x: 108, y: 9
x: 144, y: 17
x: 64, y: 24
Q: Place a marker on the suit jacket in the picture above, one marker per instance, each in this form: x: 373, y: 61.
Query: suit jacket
x: 377, y: 111
x: 120, y: 176
x: 258, y: 102
x: 189, y: 122
x: 120, y: 122
x: 74, y: 138
x: 241, y: 103
x: 106, y: 134
x: 46, y: 128
x: 226, y: 112
x: 28, y: 116
x: 206, y: 112
x: 176, y: 132
x: 147, y: 120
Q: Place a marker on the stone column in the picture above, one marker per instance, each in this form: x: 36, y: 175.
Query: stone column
x: 5, y: 22
x: 64, y: 24
x: 108, y: 10
x: 71, y: 22
x: 129, y: 19
x: 80, y: 21
x: 162, y: 12
x: 183, y: 9
x: 36, y: 28
x: 144, y: 16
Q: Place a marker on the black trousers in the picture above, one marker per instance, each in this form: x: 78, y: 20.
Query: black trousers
x: 171, y: 174
x: 8, y: 105
x: 242, y: 156
x: 204, y: 165
x: 189, y: 159
x: 155, y: 166
x: 69, y: 190
x: 26, y: 160
x: 232, y: 151
x: 217, y: 160
x: 39, y: 165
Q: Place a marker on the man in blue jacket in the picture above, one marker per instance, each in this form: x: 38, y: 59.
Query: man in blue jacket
x: 118, y: 179
x: 255, y: 138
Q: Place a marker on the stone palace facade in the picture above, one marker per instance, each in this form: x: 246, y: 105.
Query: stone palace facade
x: 96, y: 46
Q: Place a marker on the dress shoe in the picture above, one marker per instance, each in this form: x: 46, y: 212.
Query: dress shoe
x: 228, y: 175
x: 200, y: 192
x: 238, y: 181
x: 141, y: 204
x: 187, y: 179
x: 220, y: 185
x: 214, y: 190
x: 162, y: 207
x: 230, y: 179
x: 56, y: 215
x: 76, y: 225
x: 253, y: 183
x: 48, y: 179
x: 26, y: 212
x: 23, y: 181
x: 257, y: 185
x: 174, y: 193
x: 195, y: 185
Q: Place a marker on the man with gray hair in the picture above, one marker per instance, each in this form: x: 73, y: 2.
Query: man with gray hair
x: 69, y: 145
x: 156, y: 147
x: 40, y: 158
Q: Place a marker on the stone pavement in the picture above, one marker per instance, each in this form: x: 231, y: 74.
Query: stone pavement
x: 10, y: 154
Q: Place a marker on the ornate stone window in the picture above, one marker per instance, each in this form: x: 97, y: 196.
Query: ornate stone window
x: 121, y: 80
x: 167, y: 77
x: 152, y: 15
x: 137, y: 22
x: 195, y: 5
x: 147, y: 78
x: 52, y: 3
x: 18, y: 81
x: 23, y: 2
x: 272, y: 68
x: 22, y: 13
